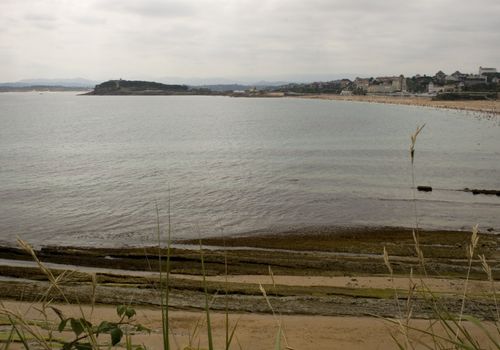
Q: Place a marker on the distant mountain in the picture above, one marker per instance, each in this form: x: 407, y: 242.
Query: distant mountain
x: 215, y: 84
x: 242, y: 83
x: 198, y: 81
x: 270, y: 83
x: 222, y: 87
x: 262, y: 85
x: 308, y: 78
x: 74, y: 82
x: 248, y: 82
x: 271, y: 80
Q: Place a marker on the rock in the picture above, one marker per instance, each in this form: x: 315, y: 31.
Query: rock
x: 478, y: 191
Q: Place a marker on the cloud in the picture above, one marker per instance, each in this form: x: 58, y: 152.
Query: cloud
x: 38, y: 17
x: 230, y: 38
x: 148, y: 8
x: 89, y: 20
x: 42, y: 20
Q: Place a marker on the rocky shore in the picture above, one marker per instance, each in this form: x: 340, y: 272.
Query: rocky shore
x: 318, y: 271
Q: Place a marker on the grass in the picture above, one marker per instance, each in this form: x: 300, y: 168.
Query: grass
x: 446, y: 330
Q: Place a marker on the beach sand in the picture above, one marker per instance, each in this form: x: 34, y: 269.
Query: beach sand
x: 437, y: 285
x: 254, y: 331
x: 491, y: 107
x: 330, y: 285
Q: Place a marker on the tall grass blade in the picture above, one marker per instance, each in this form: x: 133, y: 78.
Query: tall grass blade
x: 19, y: 333
x: 167, y: 282
x: 164, y: 318
x: 226, y: 292
x: 207, y: 307
x: 231, y: 336
x: 272, y: 279
x: 479, y: 324
x: 9, y: 339
x: 470, y: 253
x: 278, y: 320
x: 277, y: 343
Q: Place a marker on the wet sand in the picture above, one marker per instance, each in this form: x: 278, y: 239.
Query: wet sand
x: 330, y: 285
x: 438, y: 285
x: 320, y: 271
x: 491, y: 107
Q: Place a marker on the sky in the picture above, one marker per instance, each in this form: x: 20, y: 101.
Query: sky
x: 243, y: 40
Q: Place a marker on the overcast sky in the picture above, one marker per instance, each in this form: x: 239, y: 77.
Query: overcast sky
x: 244, y: 39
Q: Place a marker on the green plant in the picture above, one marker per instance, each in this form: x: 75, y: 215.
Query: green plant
x: 164, y: 284
x: 85, y: 334
x: 84, y: 330
x: 446, y: 329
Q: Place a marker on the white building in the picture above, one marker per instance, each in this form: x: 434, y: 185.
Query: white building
x: 434, y: 89
x: 484, y: 70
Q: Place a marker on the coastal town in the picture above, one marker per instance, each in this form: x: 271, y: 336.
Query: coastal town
x: 485, y: 84
x: 249, y: 175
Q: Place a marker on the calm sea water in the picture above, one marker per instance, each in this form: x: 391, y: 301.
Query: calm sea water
x: 88, y: 170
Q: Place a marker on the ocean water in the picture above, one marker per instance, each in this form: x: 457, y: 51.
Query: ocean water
x: 89, y: 170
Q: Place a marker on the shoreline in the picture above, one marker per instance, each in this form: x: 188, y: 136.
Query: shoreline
x: 323, y: 296
x: 339, y: 273
x: 488, y: 107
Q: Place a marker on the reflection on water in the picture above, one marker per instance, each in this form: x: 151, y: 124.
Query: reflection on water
x: 88, y: 170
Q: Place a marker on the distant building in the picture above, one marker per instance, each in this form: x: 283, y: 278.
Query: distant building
x: 439, y: 77
x: 484, y: 70
x: 237, y: 93
x: 459, y: 76
x: 362, y: 83
x: 453, y: 87
x: 344, y: 83
x: 384, y: 85
x: 434, y: 88
x: 346, y: 93
x: 473, y: 79
x: 451, y: 79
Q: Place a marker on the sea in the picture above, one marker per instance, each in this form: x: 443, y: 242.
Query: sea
x: 102, y: 170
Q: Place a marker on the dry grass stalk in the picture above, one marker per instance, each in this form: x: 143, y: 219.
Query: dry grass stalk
x: 487, y: 269
x: 278, y: 320
x: 470, y: 254
x: 413, y: 138
x: 387, y: 262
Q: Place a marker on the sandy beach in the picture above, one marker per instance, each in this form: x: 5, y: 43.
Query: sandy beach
x: 254, y: 331
x: 490, y: 107
x: 337, y: 296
